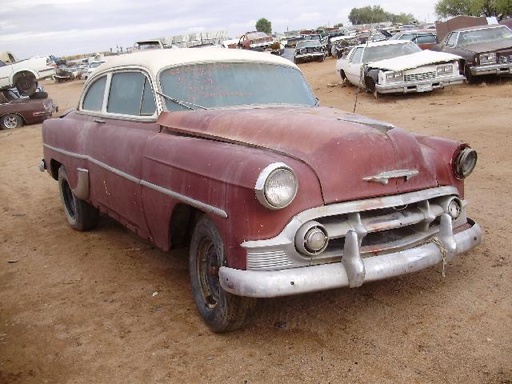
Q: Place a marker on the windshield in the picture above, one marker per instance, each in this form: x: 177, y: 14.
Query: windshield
x: 219, y: 85
x: 389, y: 51
x: 484, y: 35
x: 308, y: 44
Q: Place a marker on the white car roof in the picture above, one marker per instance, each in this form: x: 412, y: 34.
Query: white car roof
x: 156, y: 59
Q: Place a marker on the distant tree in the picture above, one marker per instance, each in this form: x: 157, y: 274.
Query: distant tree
x: 339, y: 25
x: 263, y: 25
x: 375, y: 14
x: 488, y: 8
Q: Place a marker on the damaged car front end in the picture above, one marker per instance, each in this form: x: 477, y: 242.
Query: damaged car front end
x: 419, y: 72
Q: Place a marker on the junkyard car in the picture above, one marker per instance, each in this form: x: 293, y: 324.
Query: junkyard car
x: 397, y: 66
x: 309, y: 50
x: 256, y: 41
x: 25, y: 74
x: 425, y: 39
x: 16, y: 111
x: 228, y: 152
x: 486, y: 50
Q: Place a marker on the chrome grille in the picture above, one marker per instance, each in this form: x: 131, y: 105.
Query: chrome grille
x: 505, y: 57
x: 420, y: 76
x: 383, y: 225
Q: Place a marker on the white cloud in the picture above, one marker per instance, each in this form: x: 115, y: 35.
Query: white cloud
x: 61, y: 27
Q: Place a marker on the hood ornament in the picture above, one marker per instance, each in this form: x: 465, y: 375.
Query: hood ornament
x: 384, y: 177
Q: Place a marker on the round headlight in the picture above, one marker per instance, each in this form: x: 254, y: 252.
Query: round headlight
x: 276, y: 186
x: 465, y: 162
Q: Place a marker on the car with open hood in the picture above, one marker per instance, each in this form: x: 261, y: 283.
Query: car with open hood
x: 398, y: 66
x: 227, y: 152
x: 486, y: 50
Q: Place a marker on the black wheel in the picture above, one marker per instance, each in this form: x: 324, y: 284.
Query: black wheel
x: 80, y: 214
x: 344, y: 80
x: 11, y: 121
x: 370, y: 86
x: 467, y: 73
x: 26, y: 83
x: 220, y: 310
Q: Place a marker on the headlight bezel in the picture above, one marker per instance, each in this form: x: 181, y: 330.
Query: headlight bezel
x: 464, y: 162
x: 394, y: 76
x: 488, y: 58
x: 267, y: 179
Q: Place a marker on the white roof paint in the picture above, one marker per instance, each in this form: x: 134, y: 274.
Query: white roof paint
x: 155, y: 59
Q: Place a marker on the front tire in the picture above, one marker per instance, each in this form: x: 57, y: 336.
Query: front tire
x: 11, y: 121
x: 220, y: 310
x: 79, y: 213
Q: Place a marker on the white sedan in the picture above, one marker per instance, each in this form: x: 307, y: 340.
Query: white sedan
x: 396, y: 66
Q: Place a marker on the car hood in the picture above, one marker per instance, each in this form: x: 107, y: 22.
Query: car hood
x: 352, y: 156
x: 414, y: 60
x: 488, y: 46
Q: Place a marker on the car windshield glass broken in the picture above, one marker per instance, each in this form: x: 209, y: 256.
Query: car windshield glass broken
x: 219, y: 85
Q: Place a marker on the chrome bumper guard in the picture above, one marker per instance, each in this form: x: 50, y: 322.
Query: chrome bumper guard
x: 353, y: 270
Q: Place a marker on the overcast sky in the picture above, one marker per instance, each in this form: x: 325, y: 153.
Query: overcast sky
x: 68, y: 27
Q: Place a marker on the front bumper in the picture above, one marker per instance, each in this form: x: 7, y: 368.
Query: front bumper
x: 421, y: 86
x: 496, y: 69
x: 353, y: 270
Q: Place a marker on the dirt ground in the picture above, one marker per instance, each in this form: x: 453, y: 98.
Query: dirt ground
x: 106, y: 307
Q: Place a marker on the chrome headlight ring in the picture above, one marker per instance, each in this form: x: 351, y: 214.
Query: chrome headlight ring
x: 276, y: 186
x: 464, y: 162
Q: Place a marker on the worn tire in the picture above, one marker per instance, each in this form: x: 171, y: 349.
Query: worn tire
x: 220, y: 310
x: 25, y: 83
x: 470, y: 79
x: 11, y: 121
x: 80, y: 214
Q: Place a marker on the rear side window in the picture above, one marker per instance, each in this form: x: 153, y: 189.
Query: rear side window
x: 131, y: 94
x: 93, y: 99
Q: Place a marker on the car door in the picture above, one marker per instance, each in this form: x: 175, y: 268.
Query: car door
x: 121, y: 114
x: 354, y: 62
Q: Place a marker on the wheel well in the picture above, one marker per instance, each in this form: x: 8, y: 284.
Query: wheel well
x: 54, y: 169
x: 182, y: 224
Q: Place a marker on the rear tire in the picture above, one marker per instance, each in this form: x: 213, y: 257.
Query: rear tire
x: 220, y: 310
x: 79, y: 213
x: 11, y: 121
x: 26, y: 83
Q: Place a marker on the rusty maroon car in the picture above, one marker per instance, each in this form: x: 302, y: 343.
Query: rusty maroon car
x: 227, y: 152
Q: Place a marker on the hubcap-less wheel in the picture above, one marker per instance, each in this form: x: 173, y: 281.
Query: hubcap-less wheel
x: 26, y: 84
x: 68, y: 199
x: 208, y: 271
x: 79, y: 213
x: 220, y: 310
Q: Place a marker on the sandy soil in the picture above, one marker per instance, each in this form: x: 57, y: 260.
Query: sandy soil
x: 105, y: 307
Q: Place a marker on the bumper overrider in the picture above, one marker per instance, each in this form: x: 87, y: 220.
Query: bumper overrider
x: 353, y: 269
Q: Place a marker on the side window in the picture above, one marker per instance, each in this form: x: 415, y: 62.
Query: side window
x: 131, y: 94
x: 93, y: 100
x: 452, y: 40
x: 356, y: 57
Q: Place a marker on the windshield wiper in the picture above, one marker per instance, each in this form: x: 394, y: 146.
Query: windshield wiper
x: 186, y: 104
